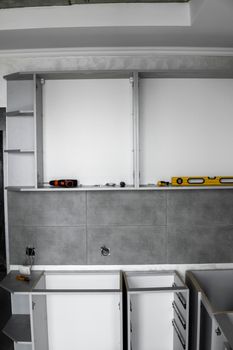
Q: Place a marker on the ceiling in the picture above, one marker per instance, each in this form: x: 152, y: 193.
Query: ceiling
x: 197, y: 23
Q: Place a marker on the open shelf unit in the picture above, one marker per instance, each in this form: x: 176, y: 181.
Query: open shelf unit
x: 157, y: 310
x: 19, y: 326
x: 127, y: 133
x: 23, y: 131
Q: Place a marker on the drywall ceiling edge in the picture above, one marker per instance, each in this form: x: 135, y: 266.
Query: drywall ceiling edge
x: 118, y: 51
x: 97, y: 15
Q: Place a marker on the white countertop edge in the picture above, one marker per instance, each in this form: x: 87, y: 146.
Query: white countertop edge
x: 181, y: 268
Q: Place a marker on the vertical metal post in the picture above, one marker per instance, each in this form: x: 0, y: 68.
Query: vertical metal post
x: 38, y: 130
x: 135, y: 105
x: 35, y: 131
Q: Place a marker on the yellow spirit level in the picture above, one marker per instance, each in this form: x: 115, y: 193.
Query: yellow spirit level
x: 202, y: 181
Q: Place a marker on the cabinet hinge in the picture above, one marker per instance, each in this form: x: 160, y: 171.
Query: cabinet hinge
x: 131, y: 80
x: 33, y: 305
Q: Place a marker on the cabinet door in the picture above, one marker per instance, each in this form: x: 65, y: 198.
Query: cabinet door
x: 39, y: 322
x: 84, y: 321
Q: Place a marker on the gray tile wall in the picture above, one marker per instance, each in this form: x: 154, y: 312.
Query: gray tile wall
x: 139, y: 227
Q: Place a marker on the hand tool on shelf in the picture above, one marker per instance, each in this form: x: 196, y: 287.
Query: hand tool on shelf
x: 64, y: 183
x: 202, y: 181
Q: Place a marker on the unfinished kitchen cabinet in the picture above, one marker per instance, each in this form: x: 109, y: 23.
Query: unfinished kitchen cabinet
x: 108, y: 127
x: 23, y: 131
x: 79, y: 310
x: 181, y: 120
x: 211, y: 309
x: 157, y: 311
x: 87, y: 128
x: 18, y: 328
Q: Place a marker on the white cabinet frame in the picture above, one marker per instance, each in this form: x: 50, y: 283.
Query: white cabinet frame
x: 134, y: 77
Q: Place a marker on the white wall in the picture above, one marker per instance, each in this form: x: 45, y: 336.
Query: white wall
x: 186, y: 128
x: 88, y: 130
x: 147, y: 59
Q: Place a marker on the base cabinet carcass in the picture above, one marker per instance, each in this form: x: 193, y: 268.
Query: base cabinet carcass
x: 157, y: 311
x: 211, y: 309
x: 78, y: 311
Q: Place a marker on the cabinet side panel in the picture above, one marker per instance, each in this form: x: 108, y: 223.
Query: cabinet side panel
x: 40, y: 327
x: 205, y: 330
x: 194, y: 315
x: 38, y: 133
x: 5, y: 313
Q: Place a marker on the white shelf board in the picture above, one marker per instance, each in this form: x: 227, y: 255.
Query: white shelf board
x: 105, y: 188
x: 181, y: 188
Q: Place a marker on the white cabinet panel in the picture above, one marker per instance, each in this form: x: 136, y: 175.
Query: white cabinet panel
x: 186, y: 128
x: 152, y: 321
x: 88, y: 130
x: 84, y: 321
x: 157, y: 315
x: 20, y: 95
x: 20, y: 133
x: 21, y: 169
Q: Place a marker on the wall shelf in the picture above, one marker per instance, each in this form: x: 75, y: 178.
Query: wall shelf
x: 12, y: 285
x: 55, y: 141
x: 117, y: 188
x: 18, y: 329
